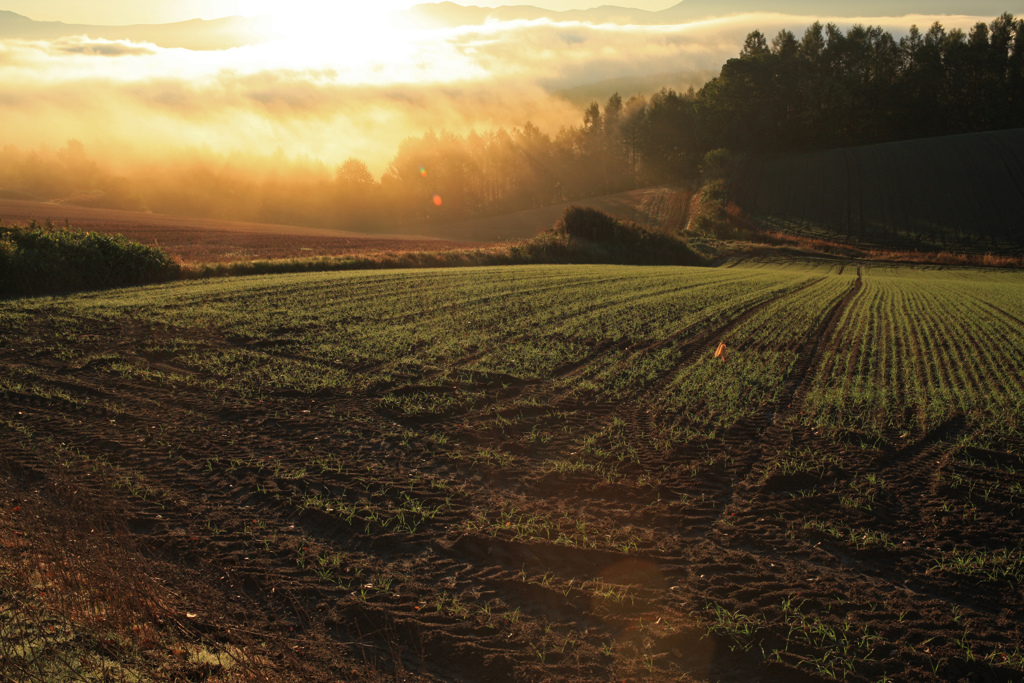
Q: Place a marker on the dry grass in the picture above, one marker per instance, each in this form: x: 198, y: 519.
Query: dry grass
x: 945, y: 258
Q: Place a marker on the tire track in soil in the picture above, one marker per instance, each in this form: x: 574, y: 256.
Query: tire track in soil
x: 592, y: 417
x: 691, y: 346
x: 690, y: 351
x: 605, y: 412
x: 603, y: 346
x: 730, y: 567
x: 733, y: 530
x: 123, y: 449
x: 220, y: 505
x: 765, y: 429
x: 912, y: 471
x: 567, y: 562
x: 841, y: 575
x: 214, y: 499
x: 910, y: 509
x: 809, y: 360
x: 266, y: 347
x: 634, y: 414
x: 146, y: 519
x: 1006, y: 314
x: 812, y: 354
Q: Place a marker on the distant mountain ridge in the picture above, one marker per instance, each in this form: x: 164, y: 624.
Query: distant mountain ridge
x: 237, y: 31
x: 195, y: 34
x: 449, y: 14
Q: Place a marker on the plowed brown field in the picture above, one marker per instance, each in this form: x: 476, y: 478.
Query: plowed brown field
x: 205, y: 240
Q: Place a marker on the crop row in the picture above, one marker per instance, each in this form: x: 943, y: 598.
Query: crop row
x: 913, y: 348
x: 917, y: 348
x: 485, y: 446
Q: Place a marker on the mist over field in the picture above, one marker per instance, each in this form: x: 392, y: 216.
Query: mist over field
x: 344, y: 94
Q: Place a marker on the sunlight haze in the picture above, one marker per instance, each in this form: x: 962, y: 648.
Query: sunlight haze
x: 346, y: 341
x: 156, y: 11
x: 328, y: 80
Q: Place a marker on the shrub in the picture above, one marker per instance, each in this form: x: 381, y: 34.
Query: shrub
x: 606, y: 239
x: 714, y: 216
x: 46, y: 260
x: 584, y: 222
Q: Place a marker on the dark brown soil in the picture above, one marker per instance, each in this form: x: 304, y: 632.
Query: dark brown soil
x: 204, y: 240
x: 503, y: 583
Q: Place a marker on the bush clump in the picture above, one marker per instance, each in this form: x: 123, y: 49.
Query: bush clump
x: 610, y: 240
x: 47, y: 260
x: 710, y: 216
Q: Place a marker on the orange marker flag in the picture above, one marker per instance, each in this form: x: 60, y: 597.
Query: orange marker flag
x: 720, y: 351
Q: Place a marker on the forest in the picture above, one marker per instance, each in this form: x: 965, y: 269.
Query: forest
x: 823, y: 90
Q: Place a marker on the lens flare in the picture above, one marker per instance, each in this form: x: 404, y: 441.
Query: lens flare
x: 437, y: 200
x: 423, y: 172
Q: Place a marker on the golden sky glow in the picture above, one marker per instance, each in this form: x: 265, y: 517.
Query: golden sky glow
x: 119, y: 12
x: 343, y: 82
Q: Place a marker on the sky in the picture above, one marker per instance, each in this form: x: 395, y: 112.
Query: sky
x: 341, y: 81
x: 117, y: 12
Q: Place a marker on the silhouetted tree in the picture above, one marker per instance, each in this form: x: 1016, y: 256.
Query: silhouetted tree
x: 755, y: 45
x: 356, y: 196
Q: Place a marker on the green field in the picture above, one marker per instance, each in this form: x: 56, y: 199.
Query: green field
x: 543, y: 472
x: 962, y: 193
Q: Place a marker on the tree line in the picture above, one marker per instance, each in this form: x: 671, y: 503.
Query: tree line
x: 825, y: 89
x: 830, y: 89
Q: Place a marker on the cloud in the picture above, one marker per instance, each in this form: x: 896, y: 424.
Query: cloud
x: 261, y: 113
x: 83, y: 45
x: 331, y: 101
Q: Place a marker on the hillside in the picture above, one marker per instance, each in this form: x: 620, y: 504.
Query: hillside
x: 962, y: 193
x: 450, y: 14
x: 195, y: 34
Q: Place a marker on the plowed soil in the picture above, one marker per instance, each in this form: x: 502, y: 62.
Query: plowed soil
x: 715, y: 572
x: 205, y: 240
